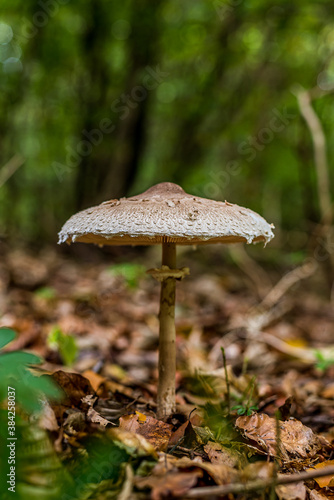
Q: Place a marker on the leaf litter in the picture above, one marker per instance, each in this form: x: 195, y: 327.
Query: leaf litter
x: 227, y: 431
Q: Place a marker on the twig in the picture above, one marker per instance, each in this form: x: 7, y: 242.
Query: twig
x: 304, y: 354
x: 10, y: 168
x: 251, y: 392
x: 277, y: 463
x: 228, y: 399
x: 252, y: 269
x: 258, y: 484
x: 320, y: 155
x: 290, y: 279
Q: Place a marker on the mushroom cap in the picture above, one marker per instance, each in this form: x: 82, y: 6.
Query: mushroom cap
x: 165, y: 213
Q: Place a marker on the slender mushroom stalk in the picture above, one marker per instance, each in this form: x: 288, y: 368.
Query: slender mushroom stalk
x: 166, y: 214
x: 167, y: 351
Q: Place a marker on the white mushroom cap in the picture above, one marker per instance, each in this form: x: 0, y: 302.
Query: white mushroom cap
x: 165, y: 213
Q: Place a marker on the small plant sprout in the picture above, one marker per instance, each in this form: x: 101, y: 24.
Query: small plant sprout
x: 166, y: 215
x: 324, y: 360
x: 63, y: 343
x: 131, y: 273
x: 247, y: 408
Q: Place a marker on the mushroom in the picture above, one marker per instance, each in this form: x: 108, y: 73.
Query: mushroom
x: 165, y: 214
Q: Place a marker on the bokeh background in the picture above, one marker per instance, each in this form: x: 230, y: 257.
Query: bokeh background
x: 231, y: 99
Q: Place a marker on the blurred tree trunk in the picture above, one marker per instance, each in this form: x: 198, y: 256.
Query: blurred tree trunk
x: 308, y: 191
x: 110, y: 169
x: 93, y: 97
x: 190, y: 147
x: 11, y: 99
x: 131, y: 131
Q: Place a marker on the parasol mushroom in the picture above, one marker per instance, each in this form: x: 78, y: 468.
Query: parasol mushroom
x: 165, y: 214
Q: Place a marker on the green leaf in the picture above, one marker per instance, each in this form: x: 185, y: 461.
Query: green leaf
x: 14, y: 372
x: 6, y: 336
x: 45, y: 292
x: 13, y: 362
x: 65, y: 344
x: 131, y: 273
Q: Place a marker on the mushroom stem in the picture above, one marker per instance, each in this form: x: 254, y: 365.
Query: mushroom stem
x: 167, y: 351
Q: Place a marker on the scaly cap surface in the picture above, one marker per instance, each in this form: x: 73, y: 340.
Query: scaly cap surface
x: 165, y: 213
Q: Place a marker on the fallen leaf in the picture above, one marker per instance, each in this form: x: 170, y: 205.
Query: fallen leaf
x: 325, y: 481
x: 155, y: 431
x: 296, y: 440
x: 136, y: 442
x: 220, y: 473
x: 218, y: 454
x: 328, y: 392
x: 74, y: 385
x: 96, y: 418
x: 318, y: 495
x: 94, y: 378
x: 258, y: 470
x: 185, y: 436
x: 172, y: 484
x: 295, y: 491
x: 28, y: 333
x: 48, y: 419
x: 25, y: 270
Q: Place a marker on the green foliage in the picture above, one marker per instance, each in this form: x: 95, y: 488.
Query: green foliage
x: 131, y: 273
x: 245, y: 410
x: 63, y: 343
x: 33, y: 450
x: 6, y: 336
x: 220, y: 424
x: 45, y: 292
x: 100, y: 466
x: 246, y: 406
x: 323, y: 362
x: 14, y: 372
x: 38, y: 470
x: 193, y: 127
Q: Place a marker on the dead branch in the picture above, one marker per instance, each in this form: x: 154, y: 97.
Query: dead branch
x: 304, y: 271
x: 304, y: 354
x: 10, y: 168
x: 258, y: 484
x: 252, y: 269
x: 320, y: 155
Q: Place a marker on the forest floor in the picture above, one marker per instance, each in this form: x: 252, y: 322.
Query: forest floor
x: 242, y: 426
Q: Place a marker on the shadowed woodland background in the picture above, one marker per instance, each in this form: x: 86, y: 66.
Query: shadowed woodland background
x: 231, y: 99
x: 201, y: 93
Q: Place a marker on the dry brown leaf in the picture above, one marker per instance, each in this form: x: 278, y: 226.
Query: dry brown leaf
x: 171, y: 484
x: 96, y: 418
x: 156, y: 432
x: 177, y: 435
x: 220, y: 473
x: 318, y: 495
x: 92, y: 414
x: 28, y: 333
x: 94, y: 378
x: 26, y: 271
x: 48, y: 419
x: 328, y: 392
x: 74, y: 385
x: 296, y: 440
x: 142, y: 446
x: 295, y: 491
x: 185, y: 436
x: 219, y: 455
x: 258, y: 470
x: 324, y: 481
